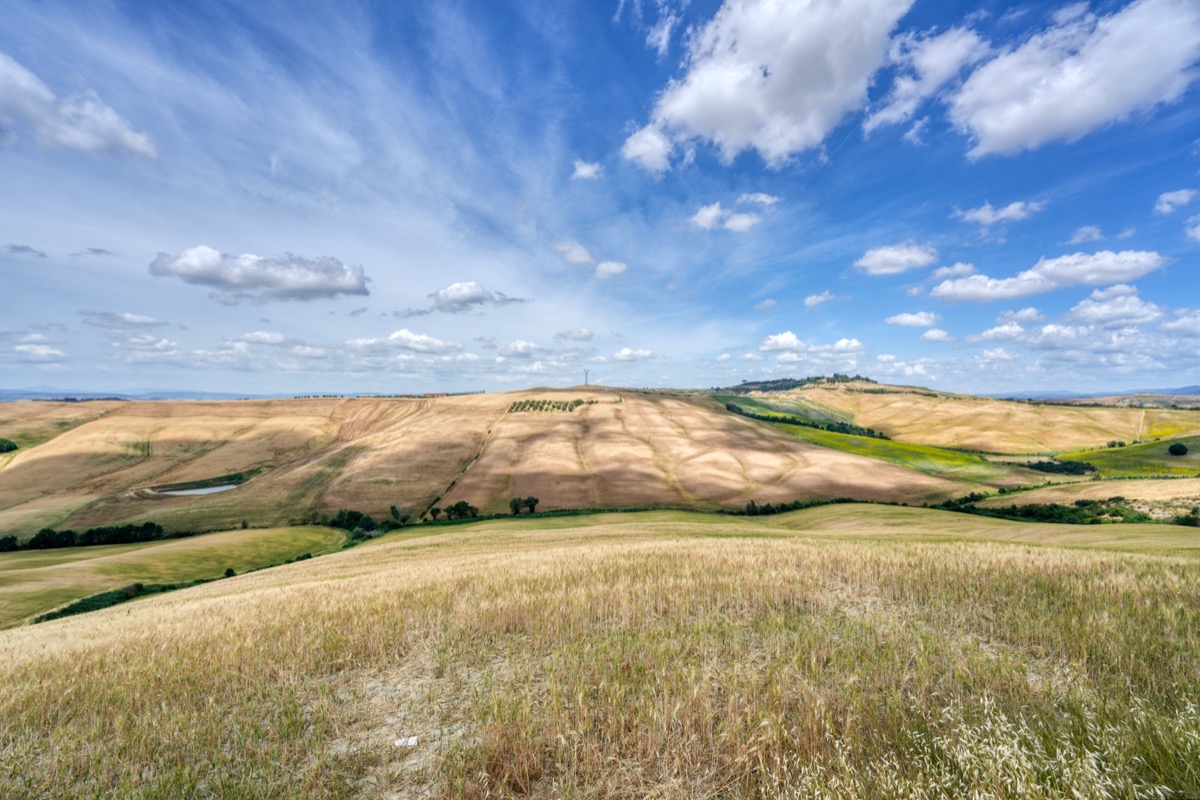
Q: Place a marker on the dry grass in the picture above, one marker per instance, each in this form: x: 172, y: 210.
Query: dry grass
x: 833, y: 653
x: 996, y: 426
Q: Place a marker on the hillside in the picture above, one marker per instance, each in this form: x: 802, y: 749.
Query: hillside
x: 843, y: 652
x: 87, y: 464
x: 923, y: 416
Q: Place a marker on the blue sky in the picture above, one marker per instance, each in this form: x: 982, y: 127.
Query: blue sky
x: 442, y: 196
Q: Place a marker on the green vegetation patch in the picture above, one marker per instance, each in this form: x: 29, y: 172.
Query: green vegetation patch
x: 547, y: 405
x: 33, y: 582
x: 1144, y: 460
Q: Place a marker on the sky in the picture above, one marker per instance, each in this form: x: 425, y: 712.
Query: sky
x: 335, y: 197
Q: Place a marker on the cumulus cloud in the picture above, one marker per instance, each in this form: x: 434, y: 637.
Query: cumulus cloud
x: 768, y: 76
x: 24, y: 250
x: 248, y: 276
x: 628, y: 354
x: 1115, y: 306
x: 761, y: 198
x: 786, y: 341
x: 585, y: 171
x: 1168, y: 202
x: 1029, y: 314
x: 712, y: 216
x: 1078, y: 75
x: 1092, y: 269
x: 1186, y: 324
x: 936, y: 335
x: 896, y: 258
x: 420, y: 343
x: 262, y: 337
x: 707, y: 217
x: 814, y: 300
x: 986, y: 215
x: 1086, y: 233
x: 124, y: 321
x: 650, y: 149
x: 1006, y: 332
x: 459, y: 297
x: 519, y: 349
x: 957, y: 270
x: 928, y: 63
x: 574, y: 335
x: 921, y: 319
x: 610, y: 269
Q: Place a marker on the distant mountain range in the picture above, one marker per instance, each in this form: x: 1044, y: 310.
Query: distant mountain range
x: 1184, y: 391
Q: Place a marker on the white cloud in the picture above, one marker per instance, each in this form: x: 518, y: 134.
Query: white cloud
x: 585, y: 171
x: 574, y: 253
x: 929, y: 63
x: 628, y: 354
x: 82, y: 122
x: 1115, y: 306
x: 769, y: 76
x: 762, y: 198
x: 650, y: 148
x: 288, y: 277
x: 124, y: 321
x: 786, y: 341
x: 895, y: 258
x: 1093, y: 269
x: 765, y: 304
x: 1006, y: 332
x: 262, y: 337
x: 750, y: 357
x: 1187, y: 323
x: 1029, y: 314
x: 659, y: 37
x: 1079, y: 75
x: 710, y: 216
x: 519, y: 349
x: 986, y: 215
x: 610, y: 269
x: 1193, y: 228
x: 936, y: 335
x: 1169, y: 201
x: 957, y: 270
x: 723, y: 358
x: 921, y: 319
x: 575, y: 335
x: 814, y: 300
x: 39, y: 353
x: 420, y: 343
x: 459, y: 297
x: 1086, y: 233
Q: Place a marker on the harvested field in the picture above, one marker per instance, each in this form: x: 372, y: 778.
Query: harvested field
x: 994, y: 426
x: 1159, y: 498
x: 841, y: 652
x: 317, y: 456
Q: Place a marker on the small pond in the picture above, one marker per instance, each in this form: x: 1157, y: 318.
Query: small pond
x: 206, y: 490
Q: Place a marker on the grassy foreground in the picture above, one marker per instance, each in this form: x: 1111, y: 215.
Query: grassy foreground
x: 35, y: 581
x: 841, y: 652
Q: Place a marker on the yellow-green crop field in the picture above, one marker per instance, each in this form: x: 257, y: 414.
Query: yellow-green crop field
x: 845, y: 651
x: 1142, y: 460
x: 35, y: 581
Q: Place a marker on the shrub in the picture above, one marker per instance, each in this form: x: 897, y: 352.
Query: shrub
x: 7, y: 445
x: 1178, y: 449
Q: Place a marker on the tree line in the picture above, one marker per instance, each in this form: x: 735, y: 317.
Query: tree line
x: 787, y: 419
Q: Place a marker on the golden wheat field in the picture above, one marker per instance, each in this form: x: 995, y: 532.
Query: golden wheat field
x: 993, y: 426
x: 840, y: 652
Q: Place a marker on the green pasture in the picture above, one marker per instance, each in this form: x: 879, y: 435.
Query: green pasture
x: 35, y: 581
x: 1147, y: 459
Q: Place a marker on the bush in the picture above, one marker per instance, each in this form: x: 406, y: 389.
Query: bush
x: 7, y: 445
x: 1178, y: 449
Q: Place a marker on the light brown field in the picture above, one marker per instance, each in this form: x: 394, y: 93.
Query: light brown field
x: 1177, y: 494
x: 994, y: 426
x: 320, y: 455
x: 842, y: 652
